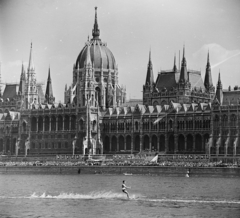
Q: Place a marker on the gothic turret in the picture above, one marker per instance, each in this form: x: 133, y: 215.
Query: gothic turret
x: 95, y: 31
x: 149, y: 78
x: 22, y: 82
x: 31, y: 91
x: 174, y: 65
x: 30, y: 64
x: 208, y: 76
x: 149, y: 84
x: 219, y: 92
x: 49, y: 92
x: 184, y: 73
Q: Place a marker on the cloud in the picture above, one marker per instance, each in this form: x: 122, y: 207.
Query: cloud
x: 218, y: 54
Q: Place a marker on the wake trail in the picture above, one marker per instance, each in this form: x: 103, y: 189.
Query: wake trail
x: 119, y: 196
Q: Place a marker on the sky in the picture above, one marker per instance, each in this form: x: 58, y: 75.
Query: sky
x: 58, y: 30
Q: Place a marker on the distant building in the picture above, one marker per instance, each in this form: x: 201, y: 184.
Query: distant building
x: 179, y: 113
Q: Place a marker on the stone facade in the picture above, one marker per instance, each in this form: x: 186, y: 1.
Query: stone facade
x: 180, y: 113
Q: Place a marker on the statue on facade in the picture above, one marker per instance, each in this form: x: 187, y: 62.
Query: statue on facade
x: 27, y: 146
x: 17, y: 146
x: 74, y: 144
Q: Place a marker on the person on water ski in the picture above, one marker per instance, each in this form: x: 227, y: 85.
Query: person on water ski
x: 124, y: 188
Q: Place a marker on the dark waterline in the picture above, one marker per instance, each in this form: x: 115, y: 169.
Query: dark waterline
x: 101, y: 196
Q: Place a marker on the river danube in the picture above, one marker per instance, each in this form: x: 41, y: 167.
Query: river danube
x: 100, y: 196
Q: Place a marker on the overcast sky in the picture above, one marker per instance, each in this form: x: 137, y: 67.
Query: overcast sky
x: 59, y: 30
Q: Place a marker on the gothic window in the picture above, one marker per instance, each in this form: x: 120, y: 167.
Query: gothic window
x: 73, y: 122
x: 34, y: 124
x: 224, y: 120
x: 170, y: 124
x: 81, y: 125
x: 233, y: 120
x: 136, y: 126
x: 24, y: 127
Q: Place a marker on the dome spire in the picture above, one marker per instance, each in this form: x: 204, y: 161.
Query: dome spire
x: 95, y: 31
x: 30, y: 64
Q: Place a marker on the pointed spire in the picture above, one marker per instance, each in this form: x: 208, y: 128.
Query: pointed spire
x: 219, y: 85
x: 174, y: 64
x: 208, y: 76
x: 30, y: 64
x: 22, y: 81
x: 23, y: 76
x: 49, y: 92
x: 219, y: 92
x: 150, y: 60
x: 149, y: 78
x: 95, y: 31
x: 184, y: 73
x: 49, y: 76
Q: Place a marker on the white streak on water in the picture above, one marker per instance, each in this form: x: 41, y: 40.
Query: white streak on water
x: 111, y: 195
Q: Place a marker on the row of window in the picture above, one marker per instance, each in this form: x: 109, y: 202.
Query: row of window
x: 52, y: 145
x: 181, y: 125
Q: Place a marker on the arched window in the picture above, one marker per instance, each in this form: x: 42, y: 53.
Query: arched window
x: 170, y: 124
x: 233, y: 120
x: 81, y: 125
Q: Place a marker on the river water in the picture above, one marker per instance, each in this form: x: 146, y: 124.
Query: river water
x: 100, y: 196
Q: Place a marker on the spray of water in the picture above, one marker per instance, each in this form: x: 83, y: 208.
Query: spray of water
x: 119, y: 196
x: 91, y: 195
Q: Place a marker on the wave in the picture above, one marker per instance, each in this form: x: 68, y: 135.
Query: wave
x: 120, y: 196
x: 91, y: 195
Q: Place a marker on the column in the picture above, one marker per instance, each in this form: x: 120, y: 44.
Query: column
x: 141, y: 144
x: 50, y: 124
x: 225, y: 148
x: 203, y: 145
x: 43, y: 124
x: 63, y: 123
x: 175, y: 143
x: 150, y: 143
x: 194, y: 145
x: 158, y: 141
x: 110, y: 143
x: 117, y: 143
x: 37, y: 125
x: 132, y: 142
x: 125, y: 142
x: 70, y: 123
x: 166, y: 143
x: 56, y: 123
x: 185, y: 142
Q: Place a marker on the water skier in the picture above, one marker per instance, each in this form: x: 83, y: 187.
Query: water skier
x: 124, y: 188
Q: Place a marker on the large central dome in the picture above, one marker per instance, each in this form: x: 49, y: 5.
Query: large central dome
x: 101, y: 56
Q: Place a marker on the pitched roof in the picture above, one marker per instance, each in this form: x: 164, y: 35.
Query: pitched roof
x: 167, y: 80
x: 10, y: 91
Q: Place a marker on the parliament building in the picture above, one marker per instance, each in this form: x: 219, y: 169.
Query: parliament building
x: 180, y: 113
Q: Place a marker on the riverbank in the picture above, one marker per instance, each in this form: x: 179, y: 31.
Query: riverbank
x: 130, y: 170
